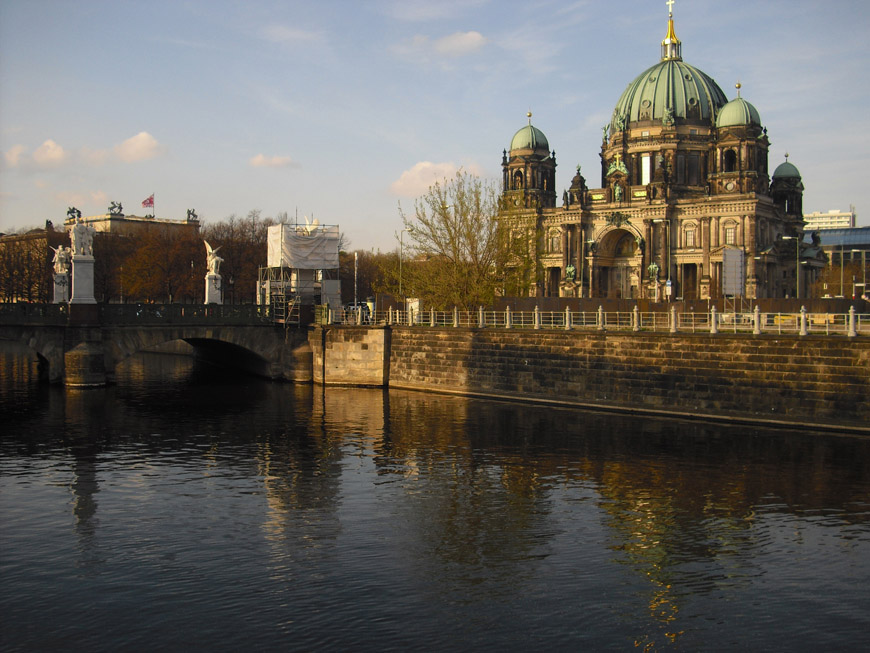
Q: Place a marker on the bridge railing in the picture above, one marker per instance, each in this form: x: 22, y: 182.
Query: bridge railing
x: 21, y: 313
x: 239, y: 314
x: 803, y: 323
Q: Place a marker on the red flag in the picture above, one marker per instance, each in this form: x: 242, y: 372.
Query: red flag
x: 149, y: 201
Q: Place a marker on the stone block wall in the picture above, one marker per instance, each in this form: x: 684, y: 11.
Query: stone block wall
x: 818, y: 380
x: 350, y: 355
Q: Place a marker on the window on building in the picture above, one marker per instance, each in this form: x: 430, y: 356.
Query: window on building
x: 730, y: 161
x: 730, y: 235
x: 645, y: 168
x: 694, y: 170
x: 690, y: 238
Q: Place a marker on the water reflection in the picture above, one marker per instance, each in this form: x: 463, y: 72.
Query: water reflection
x: 394, y: 513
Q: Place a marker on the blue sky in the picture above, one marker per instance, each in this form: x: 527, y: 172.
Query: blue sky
x: 342, y: 110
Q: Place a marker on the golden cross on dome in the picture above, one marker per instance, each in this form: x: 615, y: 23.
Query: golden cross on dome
x: 670, y: 4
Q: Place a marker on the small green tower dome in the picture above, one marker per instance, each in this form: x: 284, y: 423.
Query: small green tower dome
x: 737, y: 113
x: 530, y: 138
x: 786, y: 170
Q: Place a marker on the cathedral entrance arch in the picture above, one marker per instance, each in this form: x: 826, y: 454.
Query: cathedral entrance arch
x: 618, y: 265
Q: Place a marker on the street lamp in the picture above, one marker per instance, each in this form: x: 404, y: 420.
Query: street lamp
x: 583, y: 244
x: 797, y: 269
x: 401, y: 254
x: 667, y: 254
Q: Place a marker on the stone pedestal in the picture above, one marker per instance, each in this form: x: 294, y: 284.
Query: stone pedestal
x: 213, y: 289
x: 61, y: 287
x: 82, y: 280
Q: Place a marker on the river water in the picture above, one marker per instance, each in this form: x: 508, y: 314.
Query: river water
x: 189, y: 508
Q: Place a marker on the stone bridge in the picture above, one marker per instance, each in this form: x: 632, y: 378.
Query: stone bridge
x: 87, y: 353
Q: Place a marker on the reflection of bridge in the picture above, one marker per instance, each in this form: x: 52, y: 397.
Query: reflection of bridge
x: 85, y: 349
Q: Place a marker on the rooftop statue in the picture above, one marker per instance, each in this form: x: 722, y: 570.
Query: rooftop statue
x: 115, y: 208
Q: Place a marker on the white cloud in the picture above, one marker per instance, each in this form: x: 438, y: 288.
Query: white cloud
x: 13, y: 155
x: 49, y: 154
x: 417, y: 180
x: 141, y: 147
x: 263, y: 161
x: 459, y: 44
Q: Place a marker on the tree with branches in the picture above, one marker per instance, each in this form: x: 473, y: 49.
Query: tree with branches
x: 458, y: 251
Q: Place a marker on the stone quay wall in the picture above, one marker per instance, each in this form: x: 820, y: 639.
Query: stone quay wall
x: 821, y: 382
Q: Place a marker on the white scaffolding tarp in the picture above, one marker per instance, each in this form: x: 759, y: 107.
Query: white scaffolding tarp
x: 304, y: 247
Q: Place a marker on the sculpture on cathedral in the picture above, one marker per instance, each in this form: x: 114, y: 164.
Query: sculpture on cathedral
x: 617, y: 192
x: 82, y: 238
x: 668, y: 118
x: 115, y: 208
x: 61, y: 260
x: 566, y: 199
x: 653, y: 271
x: 72, y: 213
x: 192, y: 216
x: 212, y: 259
x: 570, y: 271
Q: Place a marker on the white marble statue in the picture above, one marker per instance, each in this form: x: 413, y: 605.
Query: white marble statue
x: 213, y: 260
x: 82, y: 237
x: 61, y: 260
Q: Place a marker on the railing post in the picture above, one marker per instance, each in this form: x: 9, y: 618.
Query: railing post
x: 507, y: 318
x: 853, y: 331
x: 756, y: 329
x: 673, y: 319
x: 635, y: 319
x: 431, y: 317
x: 537, y: 318
x: 714, y: 321
x: 803, y: 320
x: 455, y: 316
x: 480, y: 317
x: 601, y: 318
x: 567, y: 319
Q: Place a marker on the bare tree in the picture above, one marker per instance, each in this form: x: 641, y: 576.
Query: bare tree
x: 458, y: 251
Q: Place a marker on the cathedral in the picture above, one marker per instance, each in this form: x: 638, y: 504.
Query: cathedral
x: 686, y: 208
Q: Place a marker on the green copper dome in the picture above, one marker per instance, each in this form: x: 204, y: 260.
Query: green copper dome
x: 738, y: 112
x: 671, y: 90
x: 530, y: 138
x: 786, y: 170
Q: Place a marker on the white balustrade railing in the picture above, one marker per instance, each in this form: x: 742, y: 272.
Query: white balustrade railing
x: 756, y: 322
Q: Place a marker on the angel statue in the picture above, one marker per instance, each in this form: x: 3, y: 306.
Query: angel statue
x: 212, y: 259
x: 61, y: 260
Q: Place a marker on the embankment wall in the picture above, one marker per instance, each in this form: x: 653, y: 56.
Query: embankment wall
x: 820, y: 381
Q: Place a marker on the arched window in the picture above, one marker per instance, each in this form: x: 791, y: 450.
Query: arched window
x: 518, y: 180
x: 730, y: 161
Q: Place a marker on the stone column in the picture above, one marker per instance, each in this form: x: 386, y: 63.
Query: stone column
x: 83, y: 279
x: 213, y: 289
x: 61, y: 287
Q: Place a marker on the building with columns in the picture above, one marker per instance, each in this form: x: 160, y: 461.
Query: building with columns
x: 686, y: 207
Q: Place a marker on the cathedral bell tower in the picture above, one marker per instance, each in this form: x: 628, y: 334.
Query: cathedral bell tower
x: 529, y: 170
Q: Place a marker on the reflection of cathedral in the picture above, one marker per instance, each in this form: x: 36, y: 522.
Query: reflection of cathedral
x: 686, y: 206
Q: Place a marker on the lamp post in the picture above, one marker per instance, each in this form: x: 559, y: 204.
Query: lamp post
x: 666, y: 255
x: 797, y: 269
x: 401, y: 255
x: 863, y: 272
x: 583, y: 243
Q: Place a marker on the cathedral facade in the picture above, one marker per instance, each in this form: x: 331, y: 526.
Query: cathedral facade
x: 686, y: 207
